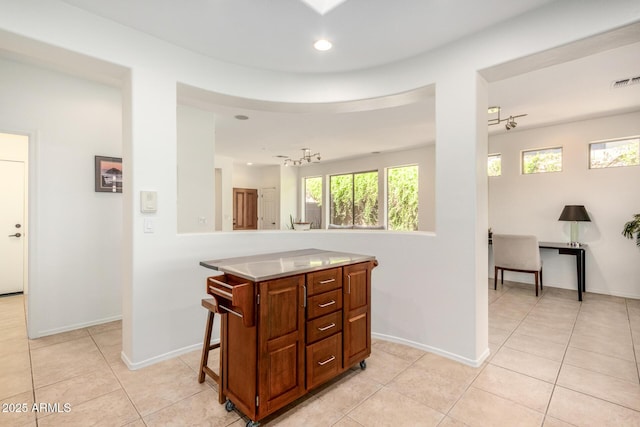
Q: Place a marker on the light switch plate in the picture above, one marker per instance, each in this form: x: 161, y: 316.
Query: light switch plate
x: 148, y: 225
x: 148, y: 201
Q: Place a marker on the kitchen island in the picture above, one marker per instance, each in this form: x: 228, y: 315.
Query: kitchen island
x: 291, y: 321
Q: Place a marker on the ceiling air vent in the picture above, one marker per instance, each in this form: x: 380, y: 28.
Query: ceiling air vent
x: 625, y: 82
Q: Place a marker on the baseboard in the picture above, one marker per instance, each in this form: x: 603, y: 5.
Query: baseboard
x: 475, y: 363
x: 166, y: 356
x: 574, y: 289
x: 47, y: 332
x: 613, y: 294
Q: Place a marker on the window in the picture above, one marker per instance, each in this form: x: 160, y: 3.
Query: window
x: 494, y: 165
x: 313, y: 201
x: 402, y: 198
x: 354, y: 199
x: 614, y: 153
x: 543, y: 160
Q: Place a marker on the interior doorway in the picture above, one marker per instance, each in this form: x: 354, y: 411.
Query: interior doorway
x: 245, y: 209
x: 268, y: 209
x: 13, y: 212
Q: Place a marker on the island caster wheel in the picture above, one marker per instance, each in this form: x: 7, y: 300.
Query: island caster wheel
x: 363, y: 365
x: 252, y: 423
x: 229, y: 406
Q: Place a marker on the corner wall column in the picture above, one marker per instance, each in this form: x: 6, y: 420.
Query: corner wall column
x: 461, y: 202
x: 149, y: 164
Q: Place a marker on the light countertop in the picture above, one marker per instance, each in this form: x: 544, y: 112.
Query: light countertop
x: 258, y: 268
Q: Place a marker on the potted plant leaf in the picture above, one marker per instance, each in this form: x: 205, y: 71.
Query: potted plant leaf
x: 632, y: 227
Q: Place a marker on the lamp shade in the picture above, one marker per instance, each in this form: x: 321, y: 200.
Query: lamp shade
x: 574, y: 213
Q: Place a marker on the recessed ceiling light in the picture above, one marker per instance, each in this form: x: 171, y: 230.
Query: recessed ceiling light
x: 249, y: 163
x: 323, y: 6
x: 322, y: 45
x: 241, y: 117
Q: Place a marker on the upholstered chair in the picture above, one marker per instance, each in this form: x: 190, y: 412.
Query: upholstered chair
x: 516, y: 253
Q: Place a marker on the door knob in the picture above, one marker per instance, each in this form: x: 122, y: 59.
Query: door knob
x: 15, y: 235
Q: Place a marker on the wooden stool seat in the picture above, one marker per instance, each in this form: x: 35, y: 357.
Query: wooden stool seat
x: 210, y: 305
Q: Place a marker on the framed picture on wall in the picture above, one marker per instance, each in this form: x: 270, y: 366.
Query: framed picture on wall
x: 108, y: 174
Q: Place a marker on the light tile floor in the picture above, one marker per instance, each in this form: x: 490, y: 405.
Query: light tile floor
x: 554, y: 362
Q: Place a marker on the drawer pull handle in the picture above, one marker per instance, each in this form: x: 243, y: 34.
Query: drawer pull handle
x: 327, y: 304
x: 326, y: 328
x: 324, y: 282
x: 324, y: 362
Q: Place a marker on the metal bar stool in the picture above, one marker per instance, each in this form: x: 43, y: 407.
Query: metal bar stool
x: 211, y: 306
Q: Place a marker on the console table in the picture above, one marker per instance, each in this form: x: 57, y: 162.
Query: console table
x: 579, y: 253
x: 291, y: 321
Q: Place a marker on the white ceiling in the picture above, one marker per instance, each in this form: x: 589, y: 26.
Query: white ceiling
x: 278, y: 35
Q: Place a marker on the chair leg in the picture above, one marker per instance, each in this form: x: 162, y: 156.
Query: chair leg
x: 502, y: 276
x: 541, y: 278
x: 495, y: 278
x: 536, y: 275
x: 206, y: 347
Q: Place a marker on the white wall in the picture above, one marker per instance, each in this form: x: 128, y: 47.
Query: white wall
x: 289, y: 195
x: 196, y: 180
x: 430, y: 290
x: 245, y: 176
x: 76, y: 234
x: 531, y: 204
x: 424, y: 157
x: 225, y: 165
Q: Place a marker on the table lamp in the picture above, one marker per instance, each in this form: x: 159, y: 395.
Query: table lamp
x: 574, y: 213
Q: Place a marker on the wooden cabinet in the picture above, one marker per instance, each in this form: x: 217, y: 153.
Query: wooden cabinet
x: 324, y: 326
x: 357, y: 313
x: 281, y: 343
x: 302, y: 331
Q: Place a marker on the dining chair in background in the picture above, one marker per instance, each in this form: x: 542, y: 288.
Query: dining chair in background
x: 519, y: 253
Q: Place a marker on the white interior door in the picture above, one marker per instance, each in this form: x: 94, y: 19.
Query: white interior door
x: 12, y: 233
x: 268, y: 209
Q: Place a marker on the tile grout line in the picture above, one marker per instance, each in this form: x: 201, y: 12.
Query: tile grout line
x: 117, y: 379
x: 564, y: 355
x: 487, y: 363
x: 604, y: 374
x: 33, y: 385
x: 633, y: 347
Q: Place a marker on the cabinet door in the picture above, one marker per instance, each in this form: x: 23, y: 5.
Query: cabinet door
x: 357, y: 313
x: 281, y: 343
x: 245, y: 209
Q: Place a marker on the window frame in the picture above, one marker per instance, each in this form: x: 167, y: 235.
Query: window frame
x: 489, y: 157
x: 522, y: 164
x: 386, y: 194
x: 605, y: 141
x: 353, y: 201
x: 304, y: 196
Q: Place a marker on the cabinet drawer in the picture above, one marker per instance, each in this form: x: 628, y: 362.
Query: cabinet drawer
x: 324, y: 360
x: 324, y: 303
x: 324, y: 280
x: 324, y: 326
